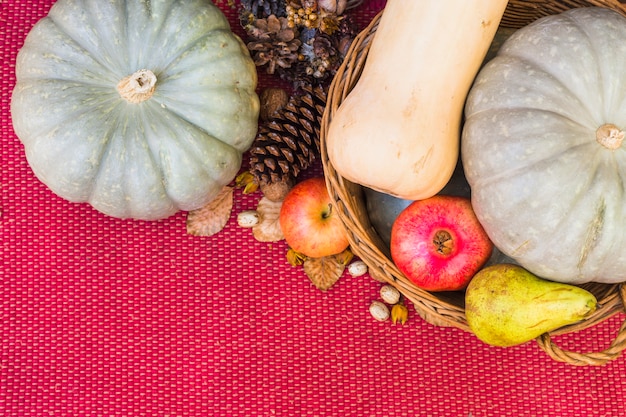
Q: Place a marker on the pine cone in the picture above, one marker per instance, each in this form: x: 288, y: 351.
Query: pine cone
x: 274, y: 44
x: 288, y: 143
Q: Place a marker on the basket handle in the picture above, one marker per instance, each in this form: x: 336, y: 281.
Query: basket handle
x: 592, y: 358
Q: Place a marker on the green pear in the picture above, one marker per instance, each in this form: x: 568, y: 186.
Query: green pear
x: 506, y: 305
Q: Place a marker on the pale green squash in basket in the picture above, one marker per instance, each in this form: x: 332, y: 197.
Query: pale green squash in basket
x: 542, y: 149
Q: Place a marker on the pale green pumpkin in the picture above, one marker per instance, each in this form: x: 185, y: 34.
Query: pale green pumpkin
x: 542, y: 147
x: 141, y: 108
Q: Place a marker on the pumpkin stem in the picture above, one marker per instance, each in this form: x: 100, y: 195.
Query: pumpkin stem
x: 137, y: 87
x: 610, y: 136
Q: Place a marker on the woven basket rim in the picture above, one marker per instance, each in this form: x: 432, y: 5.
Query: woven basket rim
x: 447, y: 309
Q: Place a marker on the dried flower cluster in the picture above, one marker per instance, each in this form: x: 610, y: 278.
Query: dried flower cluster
x: 302, y: 41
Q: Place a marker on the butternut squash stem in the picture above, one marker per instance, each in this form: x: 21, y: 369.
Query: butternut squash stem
x: 138, y: 86
x: 610, y: 136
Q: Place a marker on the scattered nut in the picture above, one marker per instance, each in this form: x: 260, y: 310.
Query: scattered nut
x: 389, y: 294
x: 277, y: 190
x: 272, y: 100
x: 248, y: 218
x: 357, y: 268
x: 379, y: 311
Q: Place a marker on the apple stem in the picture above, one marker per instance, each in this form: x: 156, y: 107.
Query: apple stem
x: 327, y: 213
x: 443, y: 242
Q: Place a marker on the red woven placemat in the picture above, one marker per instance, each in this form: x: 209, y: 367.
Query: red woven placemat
x: 106, y: 317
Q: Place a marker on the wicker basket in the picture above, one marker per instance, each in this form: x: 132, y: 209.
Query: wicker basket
x: 447, y: 309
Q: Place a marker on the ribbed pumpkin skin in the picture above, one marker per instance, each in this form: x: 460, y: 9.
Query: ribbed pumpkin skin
x: 146, y: 160
x: 547, y: 192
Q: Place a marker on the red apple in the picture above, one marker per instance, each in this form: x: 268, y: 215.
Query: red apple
x: 308, y: 220
x: 439, y: 244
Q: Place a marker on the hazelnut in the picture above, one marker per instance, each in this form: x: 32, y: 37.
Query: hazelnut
x: 272, y: 100
x: 277, y: 190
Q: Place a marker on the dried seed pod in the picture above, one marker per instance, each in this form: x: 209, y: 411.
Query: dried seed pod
x: 399, y: 313
x: 389, y: 294
x: 295, y: 258
x: 379, y: 311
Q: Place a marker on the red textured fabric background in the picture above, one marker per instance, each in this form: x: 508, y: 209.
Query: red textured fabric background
x: 118, y: 318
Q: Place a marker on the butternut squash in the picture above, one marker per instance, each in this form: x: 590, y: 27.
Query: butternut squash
x: 398, y: 130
